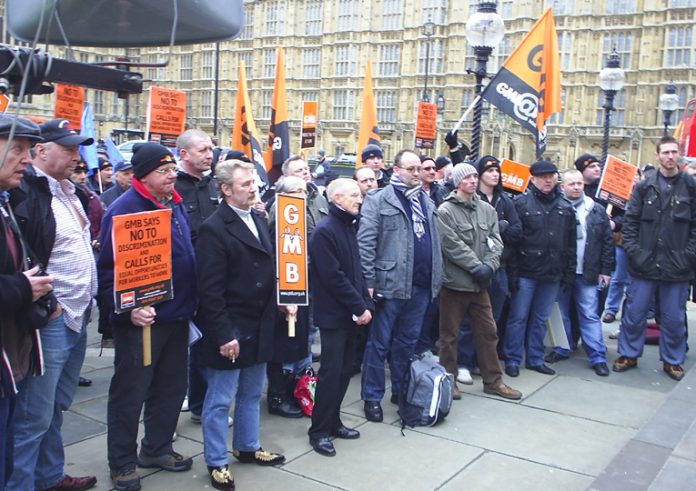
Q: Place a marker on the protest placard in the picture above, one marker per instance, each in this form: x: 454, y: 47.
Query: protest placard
x: 426, y: 125
x: 166, y: 115
x: 308, y: 135
x: 514, y: 176
x: 70, y: 100
x: 617, y: 181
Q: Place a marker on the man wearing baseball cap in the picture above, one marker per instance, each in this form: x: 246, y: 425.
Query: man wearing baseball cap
x: 57, y: 230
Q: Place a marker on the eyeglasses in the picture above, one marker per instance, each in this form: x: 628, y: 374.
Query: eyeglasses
x: 165, y: 171
x: 412, y: 170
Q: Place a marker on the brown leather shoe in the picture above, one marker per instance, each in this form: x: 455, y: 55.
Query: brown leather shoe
x: 624, y: 363
x: 504, y: 391
x: 609, y: 318
x: 675, y: 372
x: 456, y: 393
x: 74, y: 483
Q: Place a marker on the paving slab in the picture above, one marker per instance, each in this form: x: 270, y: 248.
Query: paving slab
x: 632, y: 469
x: 101, y: 378
x: 675, y: 475
x: 94, y: 409
x: 667, y: 427
x: 77, y: 428
x: 686, y: 449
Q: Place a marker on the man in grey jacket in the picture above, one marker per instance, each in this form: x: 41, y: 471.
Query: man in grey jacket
x: 471, y: 246
x: 402, y: 265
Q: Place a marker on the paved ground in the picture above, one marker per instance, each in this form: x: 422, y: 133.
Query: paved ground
x: 572, y: 431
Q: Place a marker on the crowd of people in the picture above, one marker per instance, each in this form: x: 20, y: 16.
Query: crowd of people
x: 428, y: 254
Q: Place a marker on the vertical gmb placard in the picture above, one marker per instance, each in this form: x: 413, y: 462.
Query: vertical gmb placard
x: 291, y: 250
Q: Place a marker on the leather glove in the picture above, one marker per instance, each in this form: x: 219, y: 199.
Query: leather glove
x: 483, y: 274
x: 452, y: 140
x: 503, y: 225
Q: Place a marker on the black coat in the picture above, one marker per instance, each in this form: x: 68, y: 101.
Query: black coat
x: 508, y: 221
x: 339, y: 290
x: 236, y: 281
x: 200, y: 199
x: 599, y: 246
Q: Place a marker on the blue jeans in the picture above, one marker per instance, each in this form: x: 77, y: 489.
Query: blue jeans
x: 529, y: 310
x: 672, y: 296
x: 245, y: 386
x: 395, y: 327
x: 586, y: 298
x: 617, y: 285
x: 39, y: 456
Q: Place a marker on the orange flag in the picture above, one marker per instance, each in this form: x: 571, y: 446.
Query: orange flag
x: 244, y: 133
x: 528, y: 86
x: 368, y: 132
x: 278, y: 137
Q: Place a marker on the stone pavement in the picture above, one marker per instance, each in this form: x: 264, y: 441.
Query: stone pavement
x: 572, y: 431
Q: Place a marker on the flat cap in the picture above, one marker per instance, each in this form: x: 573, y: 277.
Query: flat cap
x: 543, y: 167
x: 23, y: 128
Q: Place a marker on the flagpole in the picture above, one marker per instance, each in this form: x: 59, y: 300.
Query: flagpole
x: 466, y: 114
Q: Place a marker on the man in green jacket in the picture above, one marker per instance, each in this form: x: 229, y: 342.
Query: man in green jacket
x: 471, y: 248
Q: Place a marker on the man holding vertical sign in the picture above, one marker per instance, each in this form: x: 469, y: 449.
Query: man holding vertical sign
x: 150, y: 259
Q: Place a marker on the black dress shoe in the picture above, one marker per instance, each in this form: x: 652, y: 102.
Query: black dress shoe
x: 84, y: 382
x: 394, y: 399
x: 512, y: 370
x: 553, y: 357
x: 601, y: 369
x: 323, y: 446
x: 284, y: 408
x: 543, y: 369
x: 345, y: 433
x: 373, y: 411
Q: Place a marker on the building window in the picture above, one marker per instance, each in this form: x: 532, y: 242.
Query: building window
x: 434, y: 11
x: 561, y: 7
x: 98, y: 102
x: 678, y: 46
x: 206, y: 104
x: 619, y: 7
x: 114, y: 106
x: 248, y: 30
x: 682, y: 3
x: 386, y: 106
x: 435, y: 58
x: 621, y: 41
x: 557, y: 118
x: 343, y: 103
x: 345, y: 61
x: 207, y: 65
x: 313, y: 25
x: 266, y: 108
x: 312, y: 63
x: 617, y: 116
x: 154, y: 73
x: 275, y: 16
x: 502, y: 51
x: 389, y: 58
x: 269, y: 62
x: 564, y: 49
x: 347, y: 15
x: 246, y: 57
x: 679, y: 113
x: 505, y: 9
x: 391, y: 15
x: 186, y: 67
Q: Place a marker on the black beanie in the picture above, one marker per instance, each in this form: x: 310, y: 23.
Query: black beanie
x: 486, y: 162
x: 584, y: 161
x: 148, y: 156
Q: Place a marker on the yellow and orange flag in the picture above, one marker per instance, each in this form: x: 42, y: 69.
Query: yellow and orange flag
x: 528, y: 86
x: 278, y: 136
x: 245, y: 136
x: 369, y: 131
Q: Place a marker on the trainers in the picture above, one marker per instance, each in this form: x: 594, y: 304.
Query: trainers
x: 196, y: 418
x: 456, y: 393
x: 221, y: 478
x: 125, y: 478
x: 624, y: 363
x: 675, y: 372
x: 615, y: 334
x: 464, y: 377
x: 504, y: 391
x: 172, y: 461
x: 184, y: 405
x: 260, y: 457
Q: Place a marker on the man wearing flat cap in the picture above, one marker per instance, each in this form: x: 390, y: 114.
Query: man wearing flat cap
x: 57, y: 231
x: 123, y: 175
x: 20, y: 285
x: 161, y: 386
x: 546, y: 261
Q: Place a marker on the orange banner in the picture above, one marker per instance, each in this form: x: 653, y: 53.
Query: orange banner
x: 166, y: 115
x: 369, y: 129
x: 245, y: 136
x: 514, y: 176
x: 426, y: 125
x: 142, y: 259
x: 291, y: 250
x: 4, y: 102
x: 70, y: 100
x: 308, y: 137
x: 616, y: 184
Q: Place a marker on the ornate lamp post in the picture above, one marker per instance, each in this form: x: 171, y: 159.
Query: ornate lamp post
x: 484, y: 31
x: 611, y: 81
x: 669, y: 102
x: 429, y: 31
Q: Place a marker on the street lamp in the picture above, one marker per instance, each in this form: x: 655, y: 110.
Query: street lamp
x: 611, y: 80
x: 429, y: 31
x: 484, y: 31
x: 669, y: 102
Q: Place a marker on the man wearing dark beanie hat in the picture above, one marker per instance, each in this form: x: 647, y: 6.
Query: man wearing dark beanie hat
x: 133, y: 384
x: 373, y: 157
x: 546, y: 262
x: 591, y: 170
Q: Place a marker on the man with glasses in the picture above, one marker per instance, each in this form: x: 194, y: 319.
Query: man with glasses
x: 402, y: 266
x: 160, y: 387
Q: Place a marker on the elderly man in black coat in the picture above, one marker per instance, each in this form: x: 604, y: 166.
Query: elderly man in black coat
x: 341, y: 306
x: 236, y: 278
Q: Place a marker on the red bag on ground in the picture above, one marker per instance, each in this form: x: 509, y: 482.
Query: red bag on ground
x: 304, y: 391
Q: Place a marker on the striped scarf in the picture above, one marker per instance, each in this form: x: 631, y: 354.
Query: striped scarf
x: 412, y: 195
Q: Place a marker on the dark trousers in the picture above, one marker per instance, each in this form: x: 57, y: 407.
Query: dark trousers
x: 161, y: 387
x: 453, y: 305
x: 7, y: 404
x: 337, y: 352
x: 196, y: 380
x: 277, y: 380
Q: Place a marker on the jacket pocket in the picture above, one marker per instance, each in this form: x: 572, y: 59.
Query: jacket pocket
x: 390, y: 219
x: 682, y: 209
x: 466, y: 232
x: 649, y: 211
x: 384, y: 274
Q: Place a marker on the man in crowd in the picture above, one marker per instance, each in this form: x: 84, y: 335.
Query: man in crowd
x: 545, y: 263
x: 372, y: 157
x: 100, y: 180
x: 595, y: 262
x: 342, y: 305
x: 123, y: 176
x: 659, y: 237
x: 428, y: 179
x: 20, y: 285
x: 471, y: 246
x: 402, y: 266
x: 321, y: 169
x: 366, y: 179
x: 58, y: 232
x: 317, y: 206
x: 161, y: 386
